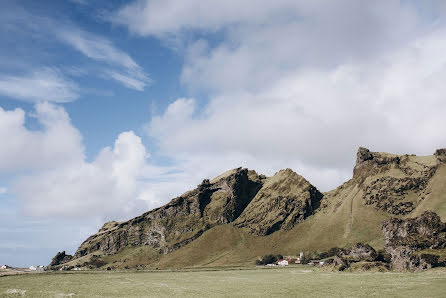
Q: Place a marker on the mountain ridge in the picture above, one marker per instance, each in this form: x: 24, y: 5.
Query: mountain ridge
x: 243, y: 204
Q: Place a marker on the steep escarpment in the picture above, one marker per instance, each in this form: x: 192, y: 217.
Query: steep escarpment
x: 182, y: 220
x: 284, y: 200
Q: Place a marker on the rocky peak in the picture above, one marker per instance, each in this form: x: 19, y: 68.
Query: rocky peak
x: 441, y: 154
x: 284, y: 200
x: 363, y: 155
x: 374, y: 161
x: 60, y: 258
x: 393, y: 183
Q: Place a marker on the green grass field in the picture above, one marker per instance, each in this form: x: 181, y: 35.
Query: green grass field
x: 299, y: 281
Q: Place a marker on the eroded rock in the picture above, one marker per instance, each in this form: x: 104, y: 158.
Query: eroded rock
x: 412, y: 242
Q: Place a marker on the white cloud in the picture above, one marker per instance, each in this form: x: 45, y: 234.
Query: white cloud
x: 314, y: 119
x: 122, y: 67
x: 46, y: 84
x: 58, y: 142
x: 106, y: 187
x: 3, y: 190
x: 51, y: 176
x: 127, y: 81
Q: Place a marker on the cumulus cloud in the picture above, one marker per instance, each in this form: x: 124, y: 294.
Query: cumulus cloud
x: 46, y: 84
x: 51, y: 176
x: 124, y: 69
x: 314, y: 119
x: 108, y: 184
x: 56, y: 143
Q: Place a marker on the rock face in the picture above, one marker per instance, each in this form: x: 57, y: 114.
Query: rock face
x: 182, y: 220
x: 284, y: 200
x: 60, y: 258
x: 414, y: 243
x: 392, y: 183
x: 360, y: 256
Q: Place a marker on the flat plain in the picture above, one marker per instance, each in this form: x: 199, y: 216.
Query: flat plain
x: 296, y: 281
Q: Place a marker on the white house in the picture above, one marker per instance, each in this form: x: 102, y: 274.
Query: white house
x: 4, y: 267
x: 282, y: 263
x: 32, y: 268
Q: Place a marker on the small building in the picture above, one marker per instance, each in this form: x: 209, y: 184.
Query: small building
x: 77, y: 269
x: 33, y: 268
x: 4, y: 267
x: 282, y: 263
x: 40, y: 268
x: 292, y: 259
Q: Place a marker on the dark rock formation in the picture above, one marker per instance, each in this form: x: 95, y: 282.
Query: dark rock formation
x: 361, y: 256
x: 60, y: 258
x: 393, y: 183
x: 285, y: 200
x: 413, y: 242
x: 185, y: 218
x: 441, y: 154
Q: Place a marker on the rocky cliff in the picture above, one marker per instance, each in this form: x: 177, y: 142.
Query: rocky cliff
x: 185, y: 218
x: 416, y: 243
x: 395, y: 184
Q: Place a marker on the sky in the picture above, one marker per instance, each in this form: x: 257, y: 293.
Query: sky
x: 111, y: 108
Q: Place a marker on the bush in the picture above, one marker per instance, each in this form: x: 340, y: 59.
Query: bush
x: 268, y: 259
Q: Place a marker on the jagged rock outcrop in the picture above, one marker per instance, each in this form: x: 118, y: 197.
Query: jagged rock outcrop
x: 441, y: 154
x: 284, y: 200
x: 414, y: 243
x: 359, y: 257
x: 394, y: 183
x: 60, y: 258
x: 182, y: 220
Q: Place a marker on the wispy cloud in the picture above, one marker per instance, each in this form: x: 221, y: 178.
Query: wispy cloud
x: 46, y: 84
x: 121, y: 66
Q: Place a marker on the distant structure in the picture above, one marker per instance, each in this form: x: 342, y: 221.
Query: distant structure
x: 4, y: 267
x: 292, y: 259
x: 33, y: 268
x: 282, y: 262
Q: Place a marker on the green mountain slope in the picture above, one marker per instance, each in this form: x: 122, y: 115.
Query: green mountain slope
x: 240, y: 215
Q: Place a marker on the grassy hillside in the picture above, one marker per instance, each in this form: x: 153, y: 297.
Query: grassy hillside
x: 239, y: 216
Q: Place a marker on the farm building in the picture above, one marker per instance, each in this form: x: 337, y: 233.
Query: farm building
x: 293, y: 259
x: 33, y: 268
x: 4, y: 267
x: 282, y: 262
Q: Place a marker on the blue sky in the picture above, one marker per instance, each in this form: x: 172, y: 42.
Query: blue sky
x: 111, y: 108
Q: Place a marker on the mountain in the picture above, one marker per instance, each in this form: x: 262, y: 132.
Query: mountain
x: 240, y: 215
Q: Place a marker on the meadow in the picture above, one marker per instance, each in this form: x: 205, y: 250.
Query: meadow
x: 299, y: 281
